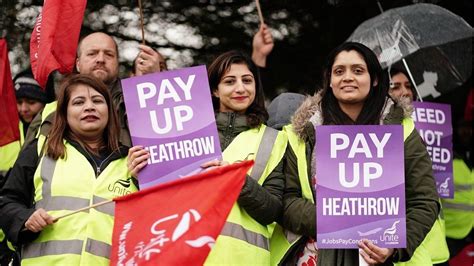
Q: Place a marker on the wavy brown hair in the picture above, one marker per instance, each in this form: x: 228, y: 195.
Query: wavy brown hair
x: 60, y: 129
x: 256, y: 112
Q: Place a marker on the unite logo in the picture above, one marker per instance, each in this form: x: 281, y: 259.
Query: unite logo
x: 389, y: 235
x: 120, y: 187
x: 443, y: 188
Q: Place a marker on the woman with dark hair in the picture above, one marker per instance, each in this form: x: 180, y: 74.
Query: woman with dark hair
x: 354, y: 93
x: 240, y: 113
x: 82, y: 163
x: 238, y: 100
x: 400, y: 85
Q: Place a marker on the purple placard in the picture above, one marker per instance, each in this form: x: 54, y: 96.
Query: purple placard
x: 433, y: 122
x: 170, y: 114
x: 366, y: 204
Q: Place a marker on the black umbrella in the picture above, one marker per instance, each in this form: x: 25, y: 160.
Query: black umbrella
x: 433, y: 44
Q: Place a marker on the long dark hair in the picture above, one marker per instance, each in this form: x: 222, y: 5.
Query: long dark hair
x: 256, y: 112
x: 60, y: 128
x: 375, y: 101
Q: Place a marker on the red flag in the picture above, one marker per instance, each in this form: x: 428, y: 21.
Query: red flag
x: 54, y: 38
x: 465, y: 257
x: 9, y: 119
x: 175, y: 223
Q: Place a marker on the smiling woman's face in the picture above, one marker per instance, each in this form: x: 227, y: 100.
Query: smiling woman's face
x: 236, y: 89
x: 350, y: 79
x: 87, y: 113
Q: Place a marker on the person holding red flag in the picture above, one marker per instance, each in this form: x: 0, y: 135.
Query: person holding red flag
x: 82, y: 163
x: 238, y: 102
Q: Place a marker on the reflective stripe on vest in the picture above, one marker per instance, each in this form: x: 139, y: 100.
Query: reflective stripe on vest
x: 98, y: 248
x: 41, y: 135
x: 243, y: 240
x: 57, y: 203
x: 462, y: 188
x: 61, y: 247
x: 57, y: 182
x: 47, y: 110
x: 459, y: 206
x: 108, y: 208
x: 264, y: 151
x: 53, y: 247
x: 239, y: 232
x: 282, y: 242
x: 283, y: 239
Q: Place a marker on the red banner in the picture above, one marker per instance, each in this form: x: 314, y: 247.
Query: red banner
x: 54, y: 38
x: 9, y: 119
x: 175, y: 223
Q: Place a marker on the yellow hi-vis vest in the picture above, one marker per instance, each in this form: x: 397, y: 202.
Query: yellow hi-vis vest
x: 282, y: 239
x: 459, y: 211
x: 8, y: 155
x: 244, y: 241
x: 69, y: 184
x: 41, y: 136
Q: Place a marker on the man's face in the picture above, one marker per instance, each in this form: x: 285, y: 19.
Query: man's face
x: 97, y: 56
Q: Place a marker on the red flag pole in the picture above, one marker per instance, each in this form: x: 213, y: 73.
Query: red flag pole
x: 83, y: 209
x: 55, y: 219
x: 141, y: 21
x: 259, y: 10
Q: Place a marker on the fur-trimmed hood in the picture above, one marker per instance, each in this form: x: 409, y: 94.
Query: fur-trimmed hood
x: 310, y: 111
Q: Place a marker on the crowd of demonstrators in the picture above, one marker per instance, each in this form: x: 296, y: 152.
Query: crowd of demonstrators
x: 87, y: 127
x: 82, y: 157
x: 354, y: 93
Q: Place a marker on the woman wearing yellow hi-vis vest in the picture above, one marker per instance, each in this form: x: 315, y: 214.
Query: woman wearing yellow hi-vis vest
x: 240, y: 116
x: 82, y: 164
x: 240, y: 113
x: 354, y: 93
